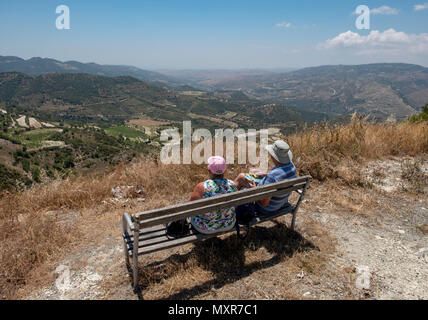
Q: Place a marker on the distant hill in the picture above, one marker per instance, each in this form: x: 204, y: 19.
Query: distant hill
x: 37, y: 66
x: 208, y: 79
x: 381, y: 90
x: 91, y: 98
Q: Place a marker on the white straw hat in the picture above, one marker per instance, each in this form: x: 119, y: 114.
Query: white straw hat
x: 280, y: 150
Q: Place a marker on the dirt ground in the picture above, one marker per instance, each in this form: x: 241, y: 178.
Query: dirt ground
x: 358, y: 244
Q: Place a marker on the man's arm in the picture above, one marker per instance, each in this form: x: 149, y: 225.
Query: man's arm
x: 265, y: 181
x: 198, y: 192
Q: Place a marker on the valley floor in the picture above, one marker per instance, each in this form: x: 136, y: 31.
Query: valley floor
x: 343, y: 236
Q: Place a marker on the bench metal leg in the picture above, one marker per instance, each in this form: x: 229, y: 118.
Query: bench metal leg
x: 135, y: 259
x: 125, y: 247
x: 126, y: 252
x: 293, y: 220
x: 302, y: 196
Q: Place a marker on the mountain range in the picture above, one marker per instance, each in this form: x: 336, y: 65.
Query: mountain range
x: 381, y: 90
x: 36, y: 66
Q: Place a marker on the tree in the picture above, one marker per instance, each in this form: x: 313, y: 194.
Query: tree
x: 35, y: 172
x: 68, y: 163
x: 25, y: 164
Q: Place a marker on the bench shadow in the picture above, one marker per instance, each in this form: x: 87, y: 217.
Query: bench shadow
x: 225, y: 258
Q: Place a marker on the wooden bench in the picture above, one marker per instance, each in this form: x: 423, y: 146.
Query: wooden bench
x: 145, y: 232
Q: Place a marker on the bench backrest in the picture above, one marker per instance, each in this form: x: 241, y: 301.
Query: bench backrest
x: 189, y: 209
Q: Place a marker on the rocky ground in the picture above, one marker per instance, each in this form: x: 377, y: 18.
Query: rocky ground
x: 362, y: 254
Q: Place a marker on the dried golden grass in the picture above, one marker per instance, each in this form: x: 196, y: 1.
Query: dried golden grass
x: 321, y: 150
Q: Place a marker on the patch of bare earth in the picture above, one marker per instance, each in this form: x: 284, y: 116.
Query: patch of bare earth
x: 147, y: 123
x: 350, y: 243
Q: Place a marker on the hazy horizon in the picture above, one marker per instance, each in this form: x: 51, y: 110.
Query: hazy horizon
x: 272, y: 69
x: 217, y: 35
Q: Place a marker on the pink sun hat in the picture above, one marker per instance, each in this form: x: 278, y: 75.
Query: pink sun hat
x: 216, y: 165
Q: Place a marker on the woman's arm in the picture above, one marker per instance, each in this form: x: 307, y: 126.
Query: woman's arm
x: 198, y: 192
x: 242, y: 182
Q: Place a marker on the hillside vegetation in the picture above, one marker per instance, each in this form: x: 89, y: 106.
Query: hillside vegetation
x: 381, y: 90
x: 86, y: 98
x: 39, y: 154
x: 29, y: 240
x: 423, y: 116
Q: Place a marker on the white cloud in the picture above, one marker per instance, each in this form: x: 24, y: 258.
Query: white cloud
x: 388, y: 41
x: 419, y: 7
x: 384, y: 10
x: 284, y: 25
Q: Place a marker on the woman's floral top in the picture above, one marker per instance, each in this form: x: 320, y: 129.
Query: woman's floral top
x: 221, y: 219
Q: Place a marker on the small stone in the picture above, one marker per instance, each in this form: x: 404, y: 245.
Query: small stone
x: 379, y: 238
x: 307, y: 294
x: 424, y: 228
x: 401, y: 232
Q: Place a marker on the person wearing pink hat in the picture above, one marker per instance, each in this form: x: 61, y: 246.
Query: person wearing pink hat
x: 217, y: 184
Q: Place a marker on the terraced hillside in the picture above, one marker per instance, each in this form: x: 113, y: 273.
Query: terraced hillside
x: 381, y: 90
x: 88, y: 98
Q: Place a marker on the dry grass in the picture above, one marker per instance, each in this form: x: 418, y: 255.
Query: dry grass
x: 322, y: 150
x: 28, y: 240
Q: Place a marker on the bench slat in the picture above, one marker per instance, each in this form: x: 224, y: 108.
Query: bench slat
x: 141, y: 216
x: 150, y: 236
x: 163, y: 243
x: 151, y: 230
x: 217, y: 206
x: 161, y: 239
x: 175, y: 243
x: 160, y: 230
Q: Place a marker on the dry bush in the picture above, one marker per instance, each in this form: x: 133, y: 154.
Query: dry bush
x: 413, y: 173
x: 321, y: 150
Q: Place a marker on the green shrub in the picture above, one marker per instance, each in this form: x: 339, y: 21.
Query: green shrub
x: 25, y: 164
x: 35, y: 173
x: 68, y: 163
x: 420, y: 117
x: 50, y: 173
x: 9, y: 178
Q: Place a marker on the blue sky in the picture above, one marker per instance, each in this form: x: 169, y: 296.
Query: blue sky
x: 202, y: 34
